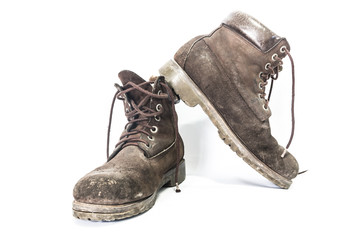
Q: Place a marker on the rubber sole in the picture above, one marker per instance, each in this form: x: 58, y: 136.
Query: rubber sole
x: 95, y: 212
x: 191, y: 94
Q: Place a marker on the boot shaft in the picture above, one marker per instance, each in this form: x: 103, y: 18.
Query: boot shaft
x: 151, y: 115
x: 242, y: 49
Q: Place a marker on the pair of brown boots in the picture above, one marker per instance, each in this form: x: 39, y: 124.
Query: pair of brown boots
x: 224, y: 72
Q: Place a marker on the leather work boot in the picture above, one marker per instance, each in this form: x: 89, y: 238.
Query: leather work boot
x: 148, y: 156
x: 226, y: 72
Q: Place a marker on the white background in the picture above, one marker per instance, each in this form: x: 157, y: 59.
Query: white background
x: 58, y: 63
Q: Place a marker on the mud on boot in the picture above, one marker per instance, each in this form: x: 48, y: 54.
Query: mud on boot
x: 148, y: 156
x: 226, y: 72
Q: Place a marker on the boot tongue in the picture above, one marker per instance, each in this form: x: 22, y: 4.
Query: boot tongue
x: 135, y: 95
x: 129, y: 76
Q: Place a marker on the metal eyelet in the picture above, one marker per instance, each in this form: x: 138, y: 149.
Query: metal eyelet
x: 151, y: 138
x: 265, y: 108
x: 267, y: 66
x: 159, y: 92
x: 260, y: 75
x: 274, y: 56
x: 157, y: 118
x: 147, y: 145
x: 154, y: 129
x: 127, y: 110
x: 282, y: 49
x: 260, y: 96
x: 260, y: 86
x: 158, y: 107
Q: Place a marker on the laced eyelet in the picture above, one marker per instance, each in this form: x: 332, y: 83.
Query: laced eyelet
x: 154, y: 129
x: 127, y: 110
x: 260, y: 86
x: 157, y: 118
x: 159, y: 92
x: 147, y: 145
x: 274, y: 56
x: 282, y: 49
x: 260, y: 96
x: 267, y: 66
x: 265, y: 108
x: 151, y: 138
x: 158, y: 107
x: 260, y: 75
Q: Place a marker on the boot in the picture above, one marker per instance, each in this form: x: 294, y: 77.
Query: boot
x: 226, y: 72
x: 148, y: 156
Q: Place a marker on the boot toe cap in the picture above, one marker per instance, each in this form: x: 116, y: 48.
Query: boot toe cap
x: 291, y: 166
x: 110, y: 188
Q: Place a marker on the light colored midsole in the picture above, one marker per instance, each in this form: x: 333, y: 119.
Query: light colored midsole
x: 190, y: 93
x: 96, y: 208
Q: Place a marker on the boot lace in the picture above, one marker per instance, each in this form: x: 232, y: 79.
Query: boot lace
x: 140, y: 113
x: 273, y: 73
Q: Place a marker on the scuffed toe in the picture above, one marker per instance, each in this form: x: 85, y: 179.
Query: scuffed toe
x: 110, y: 188
x: 291, y: 166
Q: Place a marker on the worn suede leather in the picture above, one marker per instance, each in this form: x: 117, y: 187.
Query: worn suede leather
x: 253, y: 30
x: 233, y: 60
x: 133, y: 173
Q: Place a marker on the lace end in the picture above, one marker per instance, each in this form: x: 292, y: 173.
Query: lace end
x: 177, y: 188
x: 284, y: 152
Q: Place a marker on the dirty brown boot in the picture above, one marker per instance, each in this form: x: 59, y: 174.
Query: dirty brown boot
x: 226, y: 72
x: 148, y: 156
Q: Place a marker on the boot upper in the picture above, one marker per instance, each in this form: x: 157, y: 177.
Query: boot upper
x: 135, y: 168
x: 237, y: 56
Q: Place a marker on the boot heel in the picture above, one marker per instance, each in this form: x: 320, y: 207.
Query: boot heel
x: 170, y: 178
x: 180, y: 82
